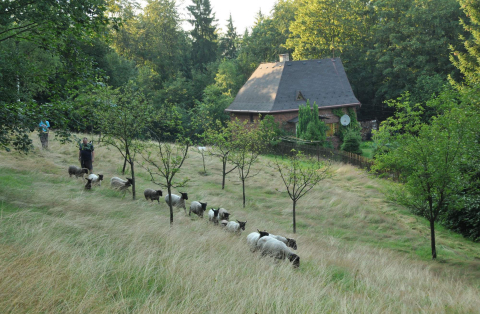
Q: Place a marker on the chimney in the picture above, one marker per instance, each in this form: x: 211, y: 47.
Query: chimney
x: 284, y: 57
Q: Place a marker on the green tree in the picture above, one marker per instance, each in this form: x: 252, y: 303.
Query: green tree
x: 300, y: 174
x: 123, y: 117
x: 325, y: 27
x: 310, y: 127
x: 247, y: 141
x: 429, y: 156
x: 164, y: 163
x: 411, y: 48
x: 219, y: 137
x: 229, y: 42
x: 468, y: 62
x: 204, y: 33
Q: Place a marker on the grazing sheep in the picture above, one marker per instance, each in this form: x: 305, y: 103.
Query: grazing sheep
x: 153, y: 195
x: 272, y: 247
x: 96, y: 178
x: 88, y: 186
x: 178, y: 201
x: 213, y: 215
x: 236, y: 226
x: 197, y: 208
x: 77, y: 172
x: 289, y: 242
x: 224, y: 223
x: 120, y: 184
x: 253, y: 238
x: 223, y: 214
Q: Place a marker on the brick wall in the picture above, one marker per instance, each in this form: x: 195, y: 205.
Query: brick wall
x: 282, y: 119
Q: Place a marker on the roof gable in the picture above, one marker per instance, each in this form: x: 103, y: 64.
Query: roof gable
x: 276, y: 87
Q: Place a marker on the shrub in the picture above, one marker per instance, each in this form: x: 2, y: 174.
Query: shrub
x: 352, y: 142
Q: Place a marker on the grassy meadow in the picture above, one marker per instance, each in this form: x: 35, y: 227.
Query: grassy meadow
x: 67, y: 250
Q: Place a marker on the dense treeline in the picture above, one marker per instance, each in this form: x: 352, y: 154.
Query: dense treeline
x: 65, y: 61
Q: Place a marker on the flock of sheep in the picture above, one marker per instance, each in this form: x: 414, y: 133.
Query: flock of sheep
x: 268, y: 244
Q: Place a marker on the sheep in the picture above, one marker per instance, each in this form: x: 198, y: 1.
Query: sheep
x: 178, y: 201
x: 289, y: 242
x: 77, y: 172
x: 253, y: 238
x: 88, y: 186
x: 96, y: 178
x: 213, y: 215
x: 153, y: 195
x: 120, y: 184
x: 223, y: 223
x: 236, y: 226
x: 223, y: 214
x: 197, y: 208
x: 272, y: 247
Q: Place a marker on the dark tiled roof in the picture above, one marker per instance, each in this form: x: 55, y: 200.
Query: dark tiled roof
x: 273, y: 87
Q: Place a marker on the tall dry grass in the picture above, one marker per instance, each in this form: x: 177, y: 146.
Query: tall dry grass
x: 65, y: 250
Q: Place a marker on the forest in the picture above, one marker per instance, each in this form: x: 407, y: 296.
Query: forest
x: 413, y: 64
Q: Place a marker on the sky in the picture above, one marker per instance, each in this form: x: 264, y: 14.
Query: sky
x: 243, y: 12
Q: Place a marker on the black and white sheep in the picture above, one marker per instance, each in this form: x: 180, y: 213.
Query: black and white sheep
x: 277, y: 249
x: 197, y: 208
x: 77, y: 172
x: 289, y: 242
x: 96, y: 178
x: 213, y: 215
x: 153, y: 195
x: 224, y: 223
x: 88, y: 186
x: 236, y: 226
x: 120, y: 184
x: 178, y: 201
x: 223, y: 214
x: 253, y: 238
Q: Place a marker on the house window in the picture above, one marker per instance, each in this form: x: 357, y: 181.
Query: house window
x: 332, y: 128
x: 299, y: 96
x: 251, y: 117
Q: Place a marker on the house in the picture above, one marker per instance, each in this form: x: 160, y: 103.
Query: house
x: 279, y: 88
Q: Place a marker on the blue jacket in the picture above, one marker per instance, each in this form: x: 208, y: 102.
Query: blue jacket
x: 44, y: 126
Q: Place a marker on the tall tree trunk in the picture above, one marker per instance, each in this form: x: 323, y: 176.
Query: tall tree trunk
x: 125, y: 162
x: 294, y: 220
x: 432, y: 238
x: 170, y: 204
x: 224, y: 174
x: 133, y: 178
x: 243, y: 186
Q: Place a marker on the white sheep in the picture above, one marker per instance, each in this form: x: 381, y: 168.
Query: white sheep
x: 213, y: 215
x: 120, y: 184
x: 77, y: 172
x: 178, y: 201
x: 236, y: 226
x: 197, y: 208
x: 223, y: 223
x: 223, y: 214
x: 253, y: 238
x: 272, y: 247
x: 153, y: 195
x: 96, y: 178
x: 289, y: 242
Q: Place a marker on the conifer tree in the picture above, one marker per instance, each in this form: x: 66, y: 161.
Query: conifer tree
x: 203, y: 33
x: 468, y: 63
x: 230, y: 41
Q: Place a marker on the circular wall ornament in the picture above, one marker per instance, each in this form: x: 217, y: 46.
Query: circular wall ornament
x: 345, y: 120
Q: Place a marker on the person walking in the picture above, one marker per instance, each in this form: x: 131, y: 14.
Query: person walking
x: 44, y: 129
x: 86, y: 154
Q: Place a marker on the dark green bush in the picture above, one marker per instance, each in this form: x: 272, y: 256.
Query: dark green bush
x: 352, y: 141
